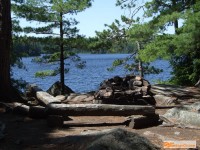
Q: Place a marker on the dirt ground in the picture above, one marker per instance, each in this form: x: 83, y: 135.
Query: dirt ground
x: 26, y: 133
x: 22, y: 132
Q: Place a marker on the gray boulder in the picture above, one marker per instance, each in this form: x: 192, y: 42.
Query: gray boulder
x: 188, y: 115
x: 55, y: 89
x: 119, y: 139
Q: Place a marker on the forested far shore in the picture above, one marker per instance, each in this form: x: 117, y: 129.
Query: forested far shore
x: 26, y: 46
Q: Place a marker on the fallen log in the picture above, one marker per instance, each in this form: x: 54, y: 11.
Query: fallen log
x: 19, y: 108
x: 31, y: 111
x: 46, y: 98
x: 99, y: 110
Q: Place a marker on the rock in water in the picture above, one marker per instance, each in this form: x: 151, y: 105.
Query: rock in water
x: 119, y: 139
x: 55, y: 89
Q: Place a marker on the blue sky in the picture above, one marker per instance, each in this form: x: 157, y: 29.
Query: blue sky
x: 102, y: 12
x: 93, y: 19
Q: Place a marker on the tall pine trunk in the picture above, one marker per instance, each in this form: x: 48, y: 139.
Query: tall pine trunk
x: 62, y: 70
x: 7, y: 92
x: 140, y: 65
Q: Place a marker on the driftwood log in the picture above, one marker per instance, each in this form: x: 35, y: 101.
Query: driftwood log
x: 99, y: 110
x: 42, y: 96
x: 32, y: 111
x: 20, y: 108
x: 46, y: 98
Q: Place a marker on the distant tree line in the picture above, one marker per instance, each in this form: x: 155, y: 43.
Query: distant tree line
x: 26, y: 46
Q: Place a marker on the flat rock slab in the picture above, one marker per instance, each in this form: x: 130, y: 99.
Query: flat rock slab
x: 164, y: 100
x: 185, y: 115
x: 177, y: 91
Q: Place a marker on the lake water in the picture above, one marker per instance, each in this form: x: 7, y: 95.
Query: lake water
x: 87, y: 79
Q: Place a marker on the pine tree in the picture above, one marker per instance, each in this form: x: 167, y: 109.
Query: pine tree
x: 180, y: 48
x: 130, y: 35
x: 55, y: 15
